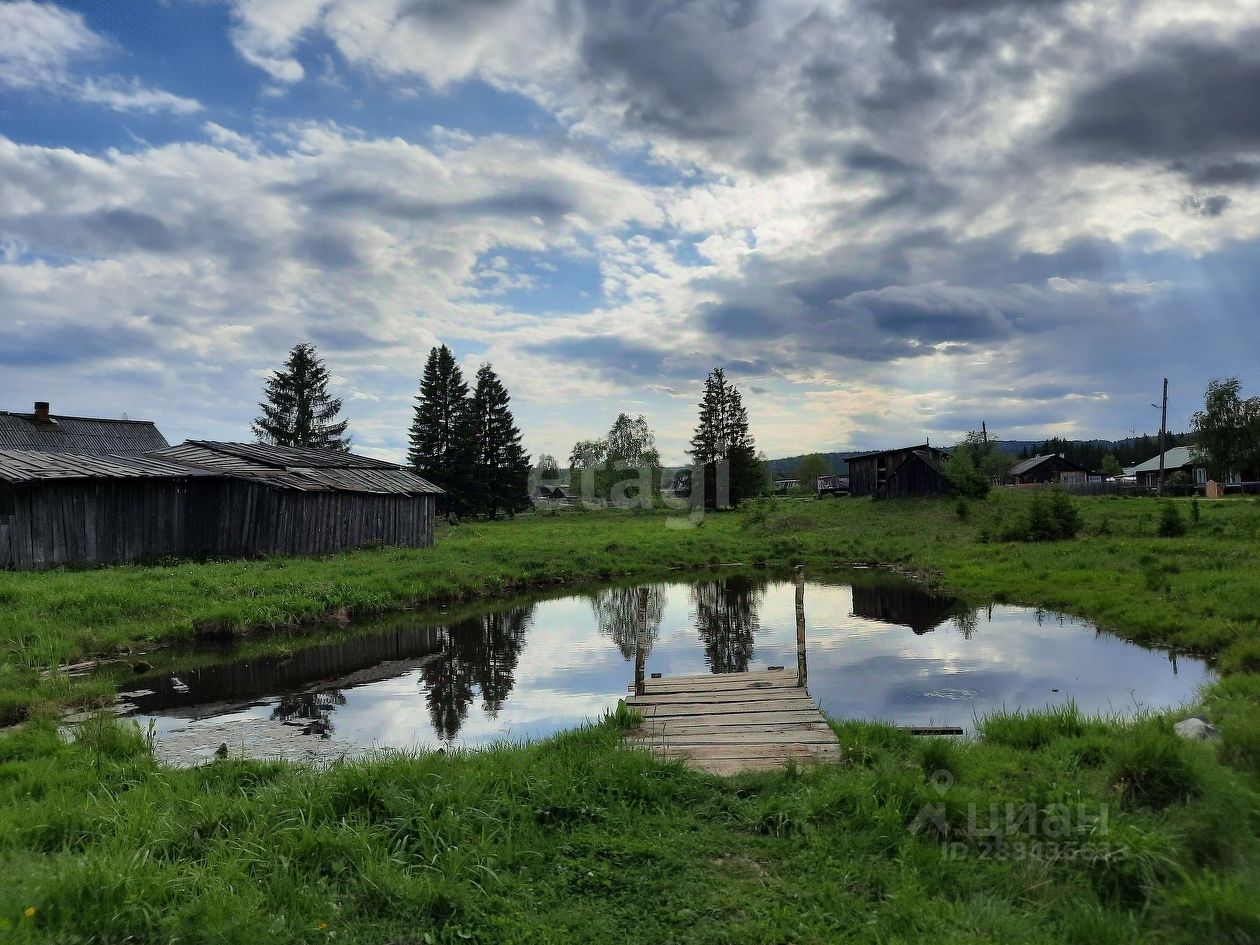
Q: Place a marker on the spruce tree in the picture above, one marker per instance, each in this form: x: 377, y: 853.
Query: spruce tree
x: 298, y: 410
x: 722, y: 436
x: 441, y: 430
x: 500, y: 469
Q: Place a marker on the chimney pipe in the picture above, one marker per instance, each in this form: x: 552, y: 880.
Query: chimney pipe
x: 41, y: 412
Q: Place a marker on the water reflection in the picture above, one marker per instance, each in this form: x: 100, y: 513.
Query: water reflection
x: 725, y: 613
x: 540, y: 665
x: 477, y: 655
x: 616, y: 612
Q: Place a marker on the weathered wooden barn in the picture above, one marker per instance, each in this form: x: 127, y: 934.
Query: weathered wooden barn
x: 68, y: 508
x: 1052, y: 467
x: 880, y: 475
x: 204, y: 498
x: 284, y: 500
x: 93, y: 436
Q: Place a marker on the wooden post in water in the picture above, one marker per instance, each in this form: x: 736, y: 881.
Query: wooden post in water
x: 801, y: 674
x: 640, y: 647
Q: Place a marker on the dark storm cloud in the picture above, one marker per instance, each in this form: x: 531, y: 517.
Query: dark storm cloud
x: 670, y: 69
x: 1211, y: 205
x: 1191, y: 105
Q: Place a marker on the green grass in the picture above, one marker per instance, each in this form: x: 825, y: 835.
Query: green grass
x: 580, y: 839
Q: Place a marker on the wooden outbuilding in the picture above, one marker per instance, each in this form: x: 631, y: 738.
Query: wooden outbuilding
x: 68, y: 508
x: 286, y: 500
x: 1052, y: 467
x: 204, y: 498
x: 880, y: 474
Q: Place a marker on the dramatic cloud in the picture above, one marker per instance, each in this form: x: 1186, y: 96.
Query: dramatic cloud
x: 886, y: 218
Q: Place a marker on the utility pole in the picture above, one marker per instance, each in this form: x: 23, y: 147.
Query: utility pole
x: 1163, y: 430
x: 984, y: 433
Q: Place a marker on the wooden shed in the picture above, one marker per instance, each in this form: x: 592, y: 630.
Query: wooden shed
x: 67, y: 508
x: 870, y: 474
x: 287, y: 500
x: 204, y: 498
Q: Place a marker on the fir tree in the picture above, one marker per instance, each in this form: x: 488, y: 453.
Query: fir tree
x: 298, y: 410
x: 500, y: 469
x: 441, y: 431
x: 722, y: 437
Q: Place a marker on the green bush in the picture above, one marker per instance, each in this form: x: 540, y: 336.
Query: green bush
x: 1047, y: 518
x: 1171, y: 524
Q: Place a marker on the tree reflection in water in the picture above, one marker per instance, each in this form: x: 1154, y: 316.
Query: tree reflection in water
x: 617, y: 616
x: 313, y: 709
x: 725, y: 616
x: 480, y: 653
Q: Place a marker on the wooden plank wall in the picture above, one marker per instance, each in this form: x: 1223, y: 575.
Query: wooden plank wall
x: 114, y: 521
x: 914, y: 477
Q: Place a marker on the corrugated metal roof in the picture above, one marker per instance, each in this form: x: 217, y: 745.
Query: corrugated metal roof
x: 1174, y: 458
x: 1031, y: 462
x: 37, y: 466
x: 82, y: 435
x: 303, y: 469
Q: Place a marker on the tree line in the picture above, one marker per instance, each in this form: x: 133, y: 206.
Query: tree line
x: 463, y: 439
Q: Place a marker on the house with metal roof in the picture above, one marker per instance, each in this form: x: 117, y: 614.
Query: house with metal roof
x: 204, y: 498
x: 47, y: 432
x: 1179, y: 459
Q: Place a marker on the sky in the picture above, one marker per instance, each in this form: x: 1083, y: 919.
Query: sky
x: 888, y: 220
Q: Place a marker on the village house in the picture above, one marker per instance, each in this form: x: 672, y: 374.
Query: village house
x: 1179, y: 459
x: 91, y: 436
x: 1052, y: 467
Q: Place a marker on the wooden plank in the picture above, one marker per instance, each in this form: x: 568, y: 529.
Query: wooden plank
x: 804, y: 721
x: 718, y: 696
x: 783, y: 751
x: 701, y: 678
x: 720, y: 681
x: 739, y: 738
x: 693, y: 709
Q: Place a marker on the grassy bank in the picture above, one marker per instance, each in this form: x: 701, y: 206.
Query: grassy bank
x: 1117, y: 835
x: 1134, y: 835
x: 1197, y: 592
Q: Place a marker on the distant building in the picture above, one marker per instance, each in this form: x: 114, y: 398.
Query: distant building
x: 833, y: 485
x: 880, y: 475
x: 88, y: 436
x: 782, y: 486
x: 1178, y: 459
x: 1052, y: 467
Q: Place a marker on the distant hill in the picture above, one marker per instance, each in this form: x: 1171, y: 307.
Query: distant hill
x: 1088, y: 453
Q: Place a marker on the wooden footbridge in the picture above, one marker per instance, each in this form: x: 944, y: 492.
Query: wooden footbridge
x: 725, y: 723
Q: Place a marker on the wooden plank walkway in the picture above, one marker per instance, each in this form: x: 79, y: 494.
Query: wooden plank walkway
x: 732, y: 722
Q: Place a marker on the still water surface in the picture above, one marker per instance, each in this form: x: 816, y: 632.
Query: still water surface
x: 879, y: 647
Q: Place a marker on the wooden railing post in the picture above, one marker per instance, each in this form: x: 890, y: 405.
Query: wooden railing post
x: 801, y: 674
x: 640, y: 648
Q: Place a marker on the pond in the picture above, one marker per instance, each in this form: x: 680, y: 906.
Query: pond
x: 879, y: 647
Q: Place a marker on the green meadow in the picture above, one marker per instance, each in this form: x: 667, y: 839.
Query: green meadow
x: 1047, y: 827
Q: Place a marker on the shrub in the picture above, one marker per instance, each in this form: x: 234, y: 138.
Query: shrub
x: 1171, y: 524
x: 966, y: 479
x: 1046, y: 518
x: 962, y: 510
x: 1196, y: 513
